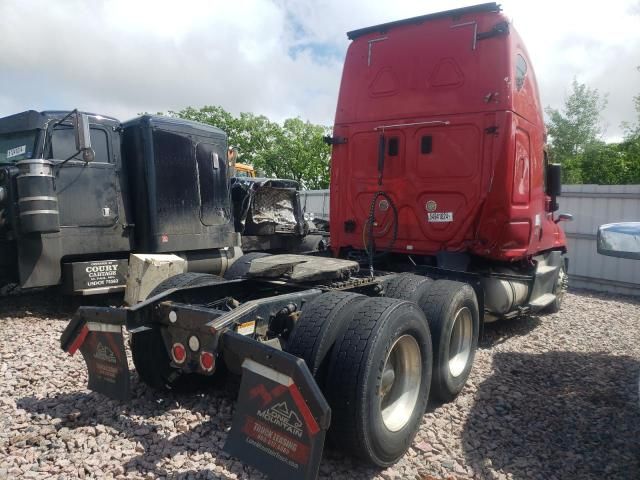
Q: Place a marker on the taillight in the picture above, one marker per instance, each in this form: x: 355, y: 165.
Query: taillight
x: 207, y: 361
x: 179, y: 353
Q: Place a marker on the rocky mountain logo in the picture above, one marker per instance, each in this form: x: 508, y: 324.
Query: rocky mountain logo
x: 104, y: 353
x: 283, y: 417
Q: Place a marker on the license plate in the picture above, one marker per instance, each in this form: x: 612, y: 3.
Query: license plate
x: 440, y: 217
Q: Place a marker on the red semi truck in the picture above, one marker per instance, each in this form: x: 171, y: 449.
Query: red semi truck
x: 442, y: 218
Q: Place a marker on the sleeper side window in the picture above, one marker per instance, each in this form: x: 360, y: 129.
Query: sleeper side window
x: 521, y: 71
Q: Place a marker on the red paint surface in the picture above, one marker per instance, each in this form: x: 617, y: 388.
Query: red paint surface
x: 491, y: 182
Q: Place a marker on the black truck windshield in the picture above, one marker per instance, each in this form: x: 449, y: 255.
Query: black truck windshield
x: 17, y: 146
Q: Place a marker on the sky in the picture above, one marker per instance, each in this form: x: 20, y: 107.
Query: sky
x: 280, y: 58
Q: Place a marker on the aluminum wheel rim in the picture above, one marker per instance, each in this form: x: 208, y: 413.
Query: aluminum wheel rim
x: 400, y: 383
x: 562, y: 284
x: 460, y: 342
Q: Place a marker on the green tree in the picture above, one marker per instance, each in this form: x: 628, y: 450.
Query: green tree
x: 292, y: 150
x: 575, y: 130
x: 614, y: 163
x: 631, y: 145
x: 605, y: 165
x: 632, y: 130
x: 301, y: 154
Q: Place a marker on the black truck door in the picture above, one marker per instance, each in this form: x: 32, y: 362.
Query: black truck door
x: 213, y: 184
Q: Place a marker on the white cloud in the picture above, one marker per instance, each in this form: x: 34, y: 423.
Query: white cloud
x: 277, y: 57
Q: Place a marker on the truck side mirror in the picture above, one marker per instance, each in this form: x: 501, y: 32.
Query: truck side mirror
x: 554, y: 179
x: 554, y: 184
x: 83, y: 136
x: 619, y: 240
x: 564, y: 217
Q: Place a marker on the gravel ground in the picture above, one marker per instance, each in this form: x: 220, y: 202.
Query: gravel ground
x: 549, y: 397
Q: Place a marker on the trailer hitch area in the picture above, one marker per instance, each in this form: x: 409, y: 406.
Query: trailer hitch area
x: 97, y: 333
x: 281, y: 416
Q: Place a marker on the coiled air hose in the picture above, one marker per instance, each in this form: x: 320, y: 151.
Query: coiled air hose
x: 368, y: 228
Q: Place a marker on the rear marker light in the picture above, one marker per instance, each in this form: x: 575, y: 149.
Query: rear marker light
x: 179, y: 353
x: 173, y: 316
x: 194, y: 343
x: 207, y: 361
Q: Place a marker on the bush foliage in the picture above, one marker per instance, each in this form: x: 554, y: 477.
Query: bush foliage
x: 575, y: 141
x: 293, y: 149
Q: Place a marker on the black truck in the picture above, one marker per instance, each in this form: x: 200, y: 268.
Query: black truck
x: 79, y: 192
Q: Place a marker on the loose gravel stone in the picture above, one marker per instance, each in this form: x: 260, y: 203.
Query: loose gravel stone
x: 550, y: 397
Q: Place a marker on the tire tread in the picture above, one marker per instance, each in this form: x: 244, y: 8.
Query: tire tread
x: 434, y: 304
x: 321, y: 322
x: 407, y: 286
x: 346, y: 372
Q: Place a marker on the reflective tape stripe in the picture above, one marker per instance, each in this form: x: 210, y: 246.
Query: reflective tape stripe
x: 37, y: 212
x: 104, y: 327
x: 42, y: 197
x: 267, y: 372
x: 35, y: 175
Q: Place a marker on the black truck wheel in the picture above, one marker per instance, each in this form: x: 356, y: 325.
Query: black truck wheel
x: 188, y: 279
x: 451, y: 309
x: 321, y: 322
x: 378, y: 380
x: 148, y: 350
x: 407, y: 286
x: 240, y: 267
x: 152, y: 362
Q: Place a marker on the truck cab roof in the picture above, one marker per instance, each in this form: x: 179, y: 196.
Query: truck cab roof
x: 178, y: 125
x: 457, y: 12
x: 34, y: 120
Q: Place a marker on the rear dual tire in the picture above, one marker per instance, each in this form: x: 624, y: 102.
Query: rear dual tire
x: 321, y: 322
x: 377, y: 414
x: 451, y: 309
x: 372, y: 358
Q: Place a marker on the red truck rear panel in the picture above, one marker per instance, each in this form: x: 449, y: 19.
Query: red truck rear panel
x: 456, y: 99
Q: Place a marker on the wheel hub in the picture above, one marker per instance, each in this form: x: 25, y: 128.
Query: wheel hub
x: 460, y: 342
x: 400, y: 382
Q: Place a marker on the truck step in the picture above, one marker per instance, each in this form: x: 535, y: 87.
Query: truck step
x: 542, y: 300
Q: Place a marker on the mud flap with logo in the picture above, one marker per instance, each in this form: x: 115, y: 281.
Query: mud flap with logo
x: 281, y: 416
x: 97, y: 333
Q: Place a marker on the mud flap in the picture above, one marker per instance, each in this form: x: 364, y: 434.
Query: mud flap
x: 281, y: 416
x: 97, y: 333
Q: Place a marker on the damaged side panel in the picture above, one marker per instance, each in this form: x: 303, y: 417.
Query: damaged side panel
x: 266, y: 206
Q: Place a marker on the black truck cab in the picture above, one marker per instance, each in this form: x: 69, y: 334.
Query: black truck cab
x: 155, y: 185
